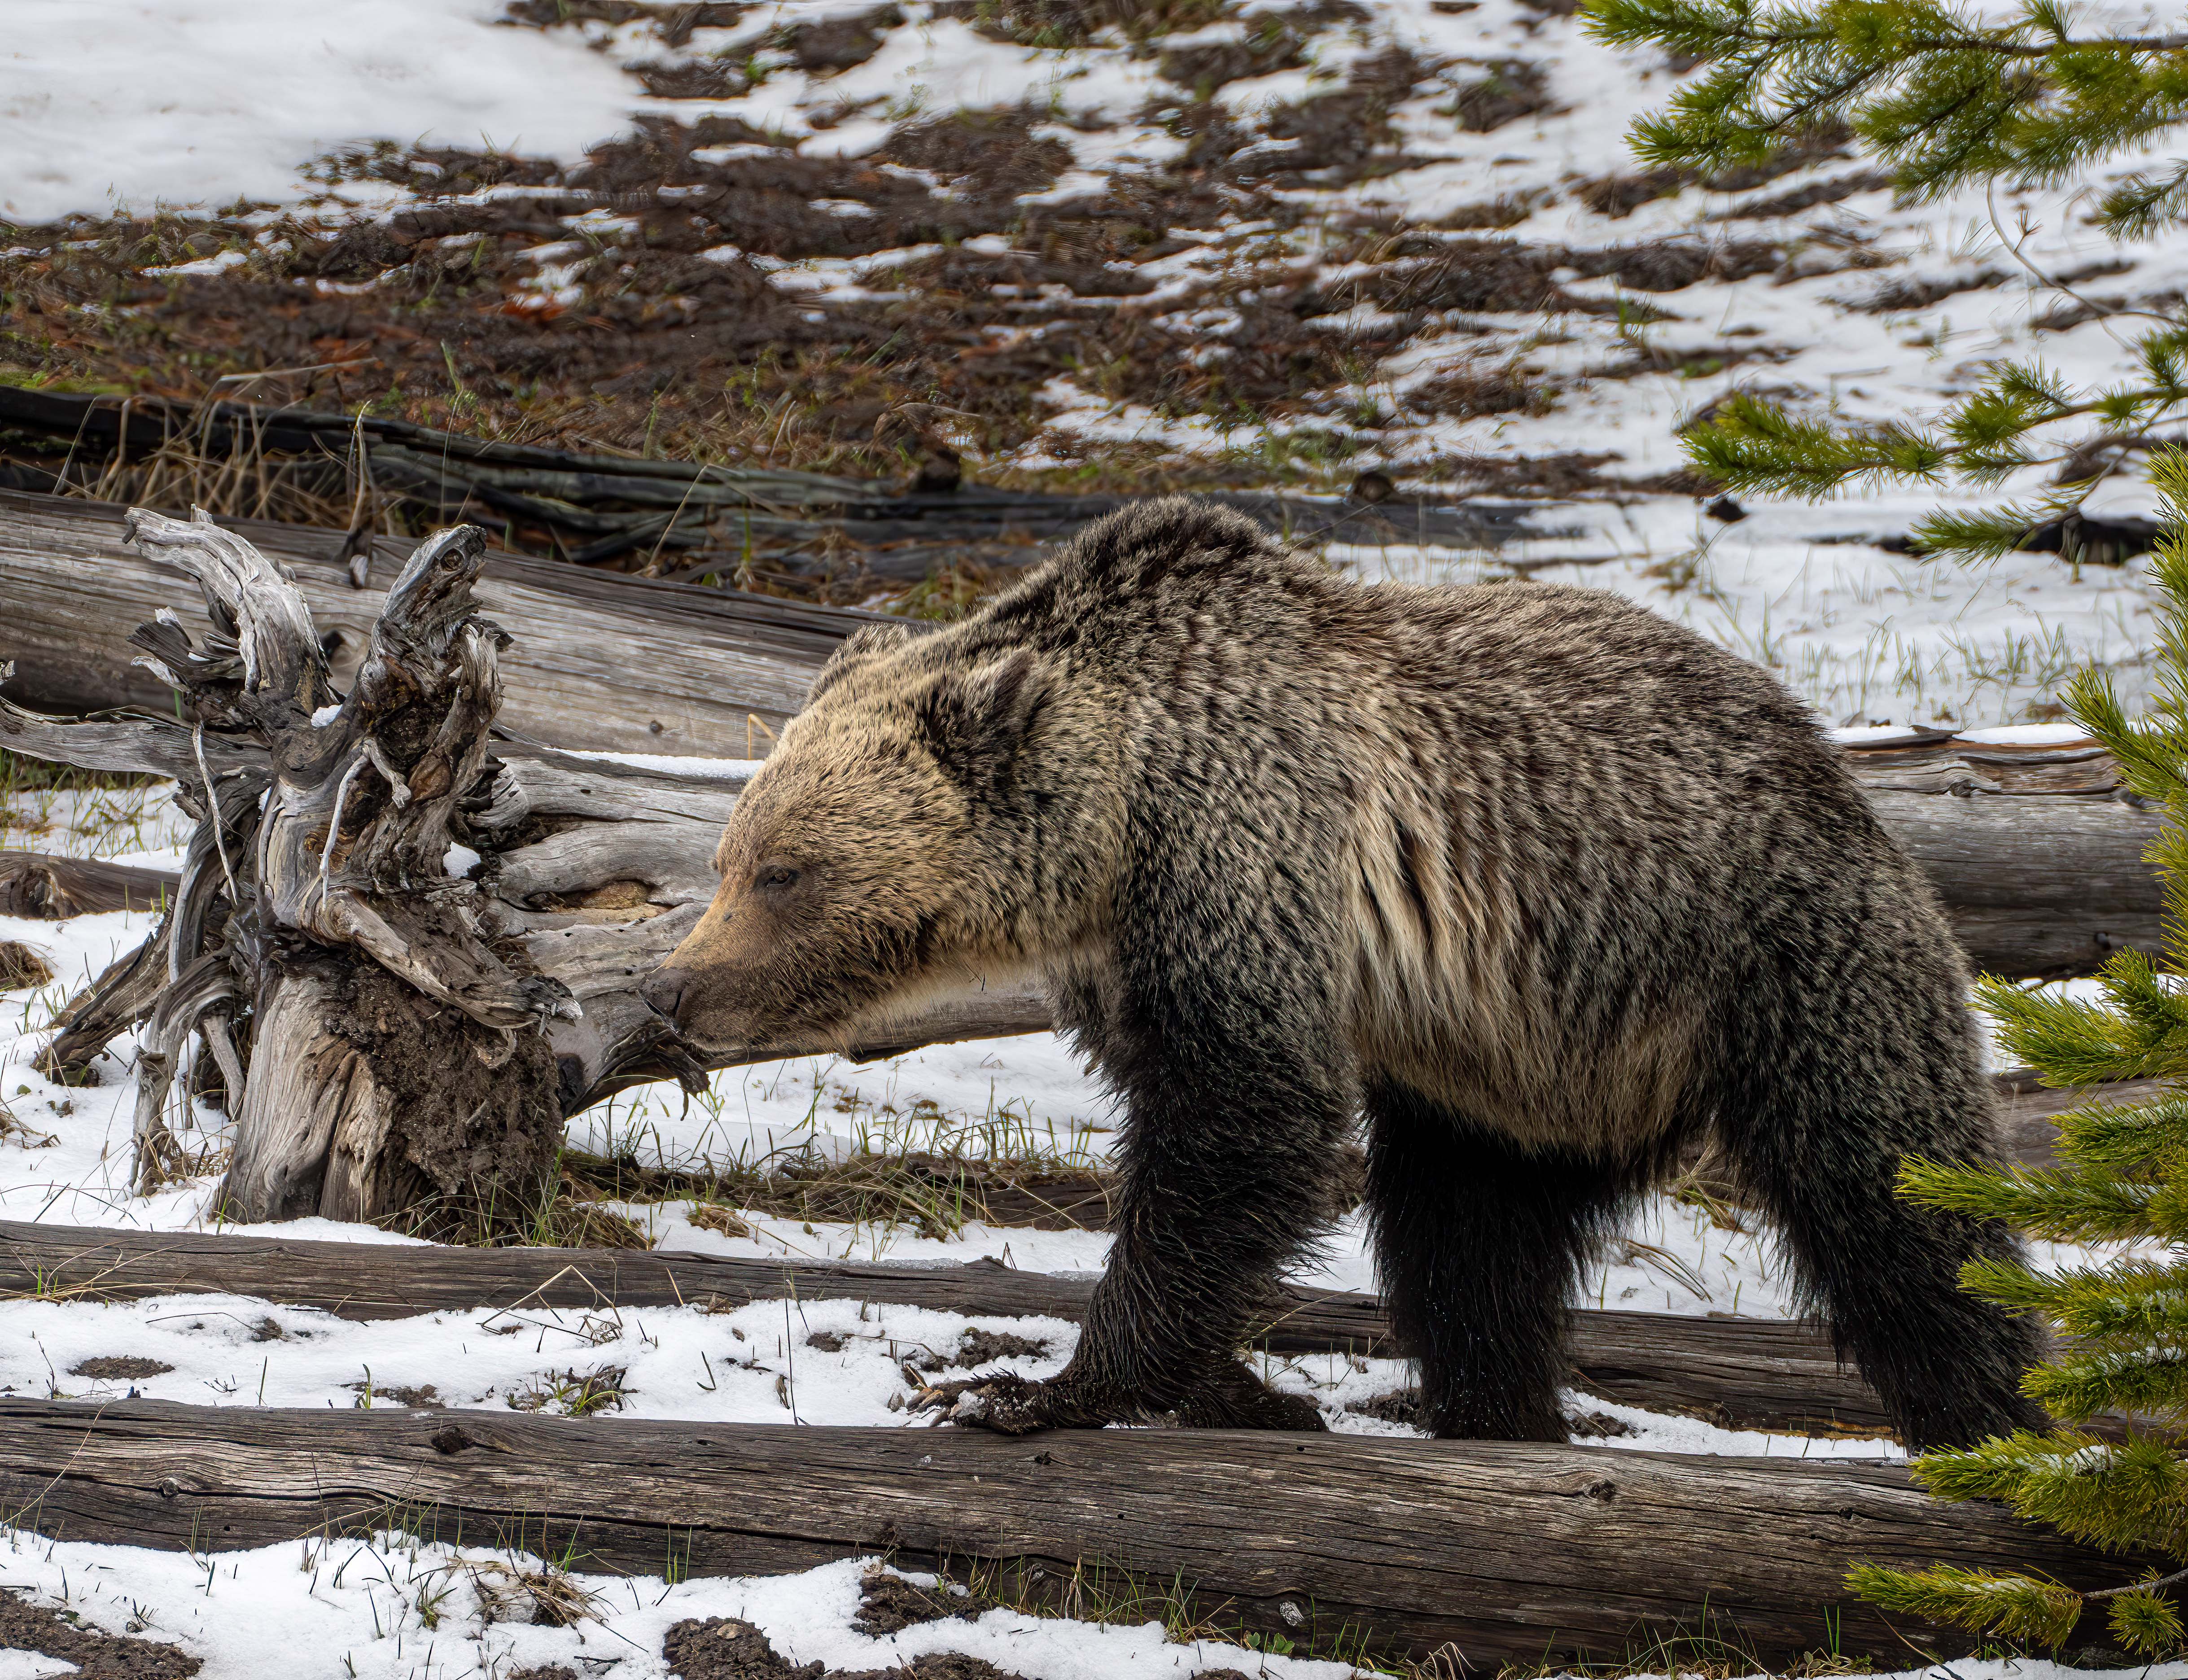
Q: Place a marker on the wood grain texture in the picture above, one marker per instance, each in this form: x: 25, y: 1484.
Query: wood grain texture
x: 2034, y: 883
x: 1510, y: 1552
x: 48, y: 889
x: 1744, y: 1373
x: 602, y: 660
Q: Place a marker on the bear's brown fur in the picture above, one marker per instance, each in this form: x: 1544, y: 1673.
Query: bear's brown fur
x: 1542, y: 884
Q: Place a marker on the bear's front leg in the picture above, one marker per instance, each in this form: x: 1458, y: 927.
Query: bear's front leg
x: 1230, y: 1397
x: 1011, y: 1405
x: 1224, y: 1040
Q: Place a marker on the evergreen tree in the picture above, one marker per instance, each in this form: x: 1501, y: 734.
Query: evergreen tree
x: 2124, y: 1175
x: 1949, y: 100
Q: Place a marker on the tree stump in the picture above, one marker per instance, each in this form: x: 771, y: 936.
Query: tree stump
x: 395, y: 1037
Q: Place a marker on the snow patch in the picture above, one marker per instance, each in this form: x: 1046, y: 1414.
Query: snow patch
x: 710, y: 770
x: 2027, y: 735
x: 146, y: 101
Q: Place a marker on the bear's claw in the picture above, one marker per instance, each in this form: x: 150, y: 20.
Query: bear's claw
x: 1234, y: 1398
x: 1003, y: 1402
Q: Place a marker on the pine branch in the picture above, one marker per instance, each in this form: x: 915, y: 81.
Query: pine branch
x: 2017, y: 1606
x: 2062, y: 1205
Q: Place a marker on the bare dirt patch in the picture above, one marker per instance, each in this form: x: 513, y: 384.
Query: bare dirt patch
x: 889, y: 1603
x: 21, y: 966
x: 25, y: 1626
x: 723, y: 1647
x: 120, y: 1368
x: 930, y: 313
x: 982, y: 1347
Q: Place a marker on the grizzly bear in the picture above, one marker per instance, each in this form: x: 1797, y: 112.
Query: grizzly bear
x: 1541, y: 886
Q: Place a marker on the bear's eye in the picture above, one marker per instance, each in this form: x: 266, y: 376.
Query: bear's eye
x: 776, y: 874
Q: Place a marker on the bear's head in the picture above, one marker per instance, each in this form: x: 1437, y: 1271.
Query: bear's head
x: 866, y: 859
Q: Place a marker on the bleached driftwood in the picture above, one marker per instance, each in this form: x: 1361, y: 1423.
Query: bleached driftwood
x: 387, y: 1031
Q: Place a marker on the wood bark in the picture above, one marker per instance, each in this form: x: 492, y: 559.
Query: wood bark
x: 599, y: 509
x: 1503, y: 1552
x: 49, y: 888
x: 1740, y: 1373
x: 600, y: 661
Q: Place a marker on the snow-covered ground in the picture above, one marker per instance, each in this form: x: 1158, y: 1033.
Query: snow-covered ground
x: 395, y: 1608
x: 1812, y: 286
x: 148, y: 101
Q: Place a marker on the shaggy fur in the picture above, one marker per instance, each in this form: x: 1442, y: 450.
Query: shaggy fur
x: 1542, y: 884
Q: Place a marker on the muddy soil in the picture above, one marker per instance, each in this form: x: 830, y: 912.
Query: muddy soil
x: 119, y: 1368
x: 25, y: 1626
x: 889, y: 1603
x: 21, y: 966
x: 723, y: 1647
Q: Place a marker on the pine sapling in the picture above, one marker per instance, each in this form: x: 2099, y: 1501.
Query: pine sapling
x: 1951, y: 97
x: 2123, y: 1176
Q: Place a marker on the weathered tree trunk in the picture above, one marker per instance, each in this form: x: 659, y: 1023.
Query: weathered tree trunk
x: 600, y: 661
x: 1750, y: 1373
x: 1503, y: 1551
x: 391, y: 1035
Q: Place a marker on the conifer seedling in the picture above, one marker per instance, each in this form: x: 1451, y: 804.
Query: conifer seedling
x: 2123, y: 1175
x: 1950, y: 99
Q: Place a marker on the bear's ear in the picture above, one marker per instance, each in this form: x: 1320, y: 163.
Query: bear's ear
x: 974, y: 721
x: 860, y: 644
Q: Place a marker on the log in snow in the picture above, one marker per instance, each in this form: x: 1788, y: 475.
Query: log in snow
x: 1741, y: 1372
x: 2034, y: 848
x: 49, y: 888
x: 1507, y: 1552
x: 600, y: 661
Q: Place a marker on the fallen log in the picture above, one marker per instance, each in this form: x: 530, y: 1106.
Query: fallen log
x: 1741, y: 1372
x: 600, y: 661
x: 2037, y: 850
x: 617, y: 510
x: 49, y: 888
x: 1501, y: 1552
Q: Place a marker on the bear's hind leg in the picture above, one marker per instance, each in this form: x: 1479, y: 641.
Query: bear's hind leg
x: 1820, y: 1144
x: 1478, y: 1244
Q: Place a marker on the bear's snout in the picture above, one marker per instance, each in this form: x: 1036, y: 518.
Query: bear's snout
x: 664, y: 992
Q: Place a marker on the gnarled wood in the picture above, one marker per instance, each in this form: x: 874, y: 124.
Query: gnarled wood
x: 1503, y: 1551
